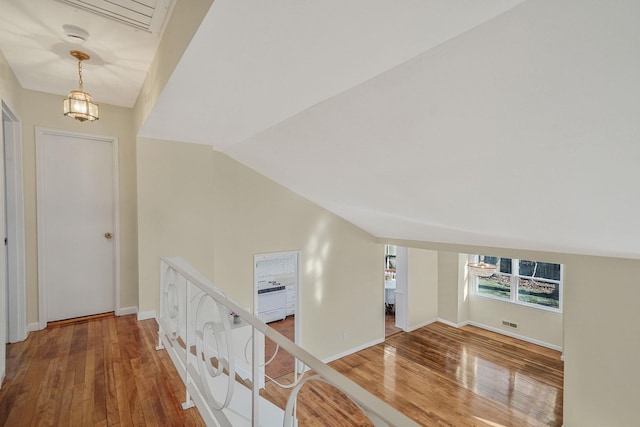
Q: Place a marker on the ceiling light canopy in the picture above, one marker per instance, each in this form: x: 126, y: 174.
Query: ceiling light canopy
x: 79, y: 104
x: 75, y: 34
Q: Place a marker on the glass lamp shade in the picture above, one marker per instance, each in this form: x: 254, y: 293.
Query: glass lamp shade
x: 80, y: 106
x: 481, y: 269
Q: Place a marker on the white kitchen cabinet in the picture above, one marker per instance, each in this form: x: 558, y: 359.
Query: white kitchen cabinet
x: 275, y: 278
x: 291, y: 299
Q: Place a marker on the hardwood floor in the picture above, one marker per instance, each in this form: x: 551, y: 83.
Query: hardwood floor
x: 107, y: 372
x: 283, y: 363
x: 390, y: 327
x: 101, y: 372
x: 443, y: 376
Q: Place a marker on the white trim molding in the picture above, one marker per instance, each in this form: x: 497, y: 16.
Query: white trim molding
x: 516, y: 336
x: 145, y: 315
x: 126, y: 311
x: 502, y: 332
x: 353, y: 350
x: 32, y: 327
x: 450, y: 323
x: 16, y: 286
x: 421, y: 325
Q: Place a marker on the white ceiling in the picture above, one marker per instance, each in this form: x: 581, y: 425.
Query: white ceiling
x: 502, y: 124
x: 255, y: 63
x: 35, y: 45
x: 493, y: 123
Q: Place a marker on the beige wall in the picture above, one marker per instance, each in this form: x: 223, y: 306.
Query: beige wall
x: 448, y: 286
x: 341, y: 280
x: 422, y: 289
x: 175, y: 211
x: 10, y: 89
x: 45, y: 110
x: 540, y: 326
x: 601, y: 341
x: 463, y: 289
x: 217, y: 214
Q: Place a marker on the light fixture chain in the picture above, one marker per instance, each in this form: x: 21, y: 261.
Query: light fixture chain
x: 80, y: 73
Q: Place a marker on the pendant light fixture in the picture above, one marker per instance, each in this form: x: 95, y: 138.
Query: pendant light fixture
x: 481, y: 269
x: 79, y: 104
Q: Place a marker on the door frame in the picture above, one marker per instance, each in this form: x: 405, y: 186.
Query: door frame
x: 402, y: 287
x: 41, y: 215
x: 297, y: 314
x: 17, y: 314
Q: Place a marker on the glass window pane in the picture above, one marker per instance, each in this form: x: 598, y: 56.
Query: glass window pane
x: 505, y: 265
x: 537, y: 292
x: 489, y: 259
x: 497, y: 285
x: 544, y: 270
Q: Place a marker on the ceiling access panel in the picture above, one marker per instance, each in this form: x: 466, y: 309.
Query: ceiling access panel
x: 146, y: 15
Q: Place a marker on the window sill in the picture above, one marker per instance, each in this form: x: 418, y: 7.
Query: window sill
x: 519, y: 304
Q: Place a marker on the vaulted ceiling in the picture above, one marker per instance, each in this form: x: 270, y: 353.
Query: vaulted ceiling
x: 499, y: 123
x: 495, y: 123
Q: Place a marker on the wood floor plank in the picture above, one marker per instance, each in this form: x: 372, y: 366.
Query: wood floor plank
x: 19, y: 356
x: 25, y: 408
x: 106, y: 372
x: 111, y: 365
x: 444, y: 376
x: 10, y: 394
x: 95, y: 372
x: 76, y: 407
x: 495, y: 378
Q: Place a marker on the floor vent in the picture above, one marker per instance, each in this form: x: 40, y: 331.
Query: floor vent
x: 509, y: 324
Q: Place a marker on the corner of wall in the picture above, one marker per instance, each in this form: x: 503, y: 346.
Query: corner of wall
x: 464, y: 288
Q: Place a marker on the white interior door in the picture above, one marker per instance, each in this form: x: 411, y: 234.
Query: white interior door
x: 75, y: 225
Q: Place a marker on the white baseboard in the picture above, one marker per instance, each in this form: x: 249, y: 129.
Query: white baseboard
x: 127, y: 310
x: 516, y: 336
x: 144, y: 315
x: 353, y: 350
x: 31, y: 327
x: 450, y: 323
x: 503, y: 332
x: 420, y: 325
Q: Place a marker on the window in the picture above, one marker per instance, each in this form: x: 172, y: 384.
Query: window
x: 532, y: 283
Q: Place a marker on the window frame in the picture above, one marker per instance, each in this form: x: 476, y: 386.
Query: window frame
x: 514, y: 285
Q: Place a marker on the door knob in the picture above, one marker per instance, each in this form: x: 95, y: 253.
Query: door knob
x: 108, y: 235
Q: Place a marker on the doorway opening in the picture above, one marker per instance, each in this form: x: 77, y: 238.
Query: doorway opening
x: 390, y: 307
x: 276, y: 280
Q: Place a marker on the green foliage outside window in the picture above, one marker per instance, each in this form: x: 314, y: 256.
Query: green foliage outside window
x: 536, y: 283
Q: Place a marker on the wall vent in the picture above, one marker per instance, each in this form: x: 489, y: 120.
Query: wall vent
x: 509, y: 324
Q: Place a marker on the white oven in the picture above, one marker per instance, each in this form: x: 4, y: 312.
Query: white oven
x: 272, y: 303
